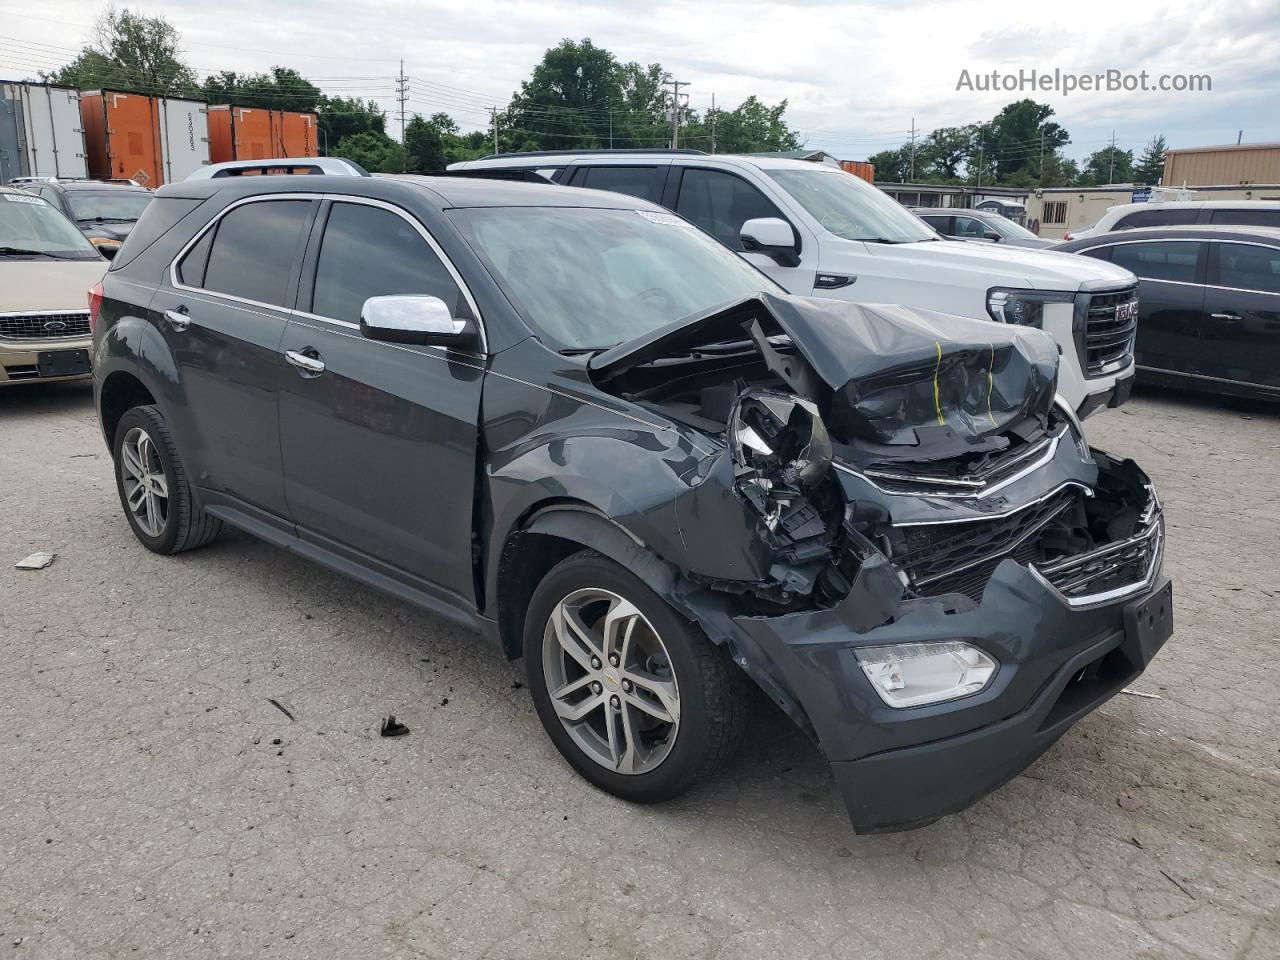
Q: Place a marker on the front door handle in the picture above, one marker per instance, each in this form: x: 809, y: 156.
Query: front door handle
x: 307, y: 364
x: 178, y: 319
x: 1233, y: 317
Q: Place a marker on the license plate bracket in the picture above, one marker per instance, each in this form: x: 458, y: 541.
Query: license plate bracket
x: 1148, y: 623
x: 62, y: 363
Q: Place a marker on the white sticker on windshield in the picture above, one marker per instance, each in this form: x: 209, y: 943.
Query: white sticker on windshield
x: 668, y: 219
x: 22, y: 198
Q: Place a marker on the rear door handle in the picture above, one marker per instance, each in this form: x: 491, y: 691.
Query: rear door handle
x: 307, y: 364
x: 178, y: 319
x: 1227, y: 316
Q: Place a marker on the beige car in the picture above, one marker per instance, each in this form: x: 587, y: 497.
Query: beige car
x: 46, y: 270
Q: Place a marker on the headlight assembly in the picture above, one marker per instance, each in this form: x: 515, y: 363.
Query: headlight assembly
x: 1024, y: 308
x: 914, y: 674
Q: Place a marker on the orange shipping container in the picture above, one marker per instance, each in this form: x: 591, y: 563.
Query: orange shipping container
x: 248, y: 133
x: 859, y: 168
x: 295, y: 134
x: 122, y: 136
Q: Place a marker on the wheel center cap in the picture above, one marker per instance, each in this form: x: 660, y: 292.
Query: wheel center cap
x: 611, y: 678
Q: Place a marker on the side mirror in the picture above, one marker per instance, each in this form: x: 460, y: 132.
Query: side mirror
x: 773, y: 237
x: 411, y: 318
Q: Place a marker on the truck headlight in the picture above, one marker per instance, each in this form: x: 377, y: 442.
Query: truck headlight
x: 1025, y: 308
x: 912, y: 674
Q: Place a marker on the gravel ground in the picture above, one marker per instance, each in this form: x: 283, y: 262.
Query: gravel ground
x: 155, y: 803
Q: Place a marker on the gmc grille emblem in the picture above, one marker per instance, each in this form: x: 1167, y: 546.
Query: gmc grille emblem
x: 53, y: 326
x: 1127, y: 311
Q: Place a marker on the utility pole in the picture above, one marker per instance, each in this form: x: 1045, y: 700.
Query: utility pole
x: 913, y: 150
x: 675, y: 110
x: 1111, y: 170
x: 1239, y: 137
x: 493, y: 112
x: 982, y: 134
x: 611, y: 126
x: 1042, y: 158
x: 713, y: 123
x: 402, y: 96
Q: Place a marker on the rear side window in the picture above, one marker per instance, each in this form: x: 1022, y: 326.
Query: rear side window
x: 1175, y: 260
x: 721, y: 203
x: 1251, y: 218
x: 643, y: 182
x: 254, y: 250
x: 1098, y: 253
x: 1157, y: 218
x: 371, y: 252
x: 941, y: 224
x: 1247, y: 266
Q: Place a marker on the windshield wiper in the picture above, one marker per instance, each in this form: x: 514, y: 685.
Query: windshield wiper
x: 23, y: 252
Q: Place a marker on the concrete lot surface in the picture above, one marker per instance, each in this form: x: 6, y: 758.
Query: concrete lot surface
x: 155, y: 803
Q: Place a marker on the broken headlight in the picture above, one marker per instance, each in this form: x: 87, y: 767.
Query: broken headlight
x: 1024, y: 308
x: 780, y: 449
x: 914, y: 674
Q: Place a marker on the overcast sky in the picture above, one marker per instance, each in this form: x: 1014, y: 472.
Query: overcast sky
x: 855, y: 74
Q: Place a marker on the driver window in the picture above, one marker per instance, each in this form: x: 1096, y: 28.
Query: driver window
x: 721, y: 203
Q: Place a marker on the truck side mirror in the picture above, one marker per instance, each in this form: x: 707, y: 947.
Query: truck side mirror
x: 773, y: 237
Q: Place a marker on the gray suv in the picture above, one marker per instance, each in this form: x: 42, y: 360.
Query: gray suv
x: 578, y: 425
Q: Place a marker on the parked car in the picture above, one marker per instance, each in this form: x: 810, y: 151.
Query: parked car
x: 819, y: 231
x: 104, y: 212
x: 575, y: 423
x: 980, y: 225
x: 1210, y: 304
x: 46, y: 270
x: 1129, y: 216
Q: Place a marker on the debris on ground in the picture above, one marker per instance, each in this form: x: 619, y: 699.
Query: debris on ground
x: 1144, y: 696
x: 392, y: 728
x: 37, y: 561
x: 281, y: 707
x: 1128, y: 801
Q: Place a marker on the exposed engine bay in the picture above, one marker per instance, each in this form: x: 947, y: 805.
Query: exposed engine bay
x: 893, y: 452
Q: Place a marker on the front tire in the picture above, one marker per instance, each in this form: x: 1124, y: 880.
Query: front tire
x: 153, y: 486
x: 636, y: 698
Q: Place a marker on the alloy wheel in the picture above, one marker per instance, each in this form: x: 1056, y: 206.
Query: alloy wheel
x: 610, y: 681
x: 146, y: 490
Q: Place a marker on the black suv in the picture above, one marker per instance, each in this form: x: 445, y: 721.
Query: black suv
x: 104, y: 211
x: 572, y: 421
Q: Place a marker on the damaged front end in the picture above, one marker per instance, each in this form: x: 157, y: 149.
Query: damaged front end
x: 902, y: 537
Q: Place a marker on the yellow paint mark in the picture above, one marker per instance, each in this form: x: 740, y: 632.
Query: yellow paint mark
x: 991, y: 384
x: 937, y: 391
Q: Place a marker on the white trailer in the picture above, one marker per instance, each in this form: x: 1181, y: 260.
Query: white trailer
x: 40, y: 132
x: 184, y: 136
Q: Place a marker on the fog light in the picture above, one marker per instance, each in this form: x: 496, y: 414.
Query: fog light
x: 911, y: 674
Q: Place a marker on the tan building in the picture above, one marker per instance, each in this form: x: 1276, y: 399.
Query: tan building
x: 1058, y: 210
x: 1236, y: 163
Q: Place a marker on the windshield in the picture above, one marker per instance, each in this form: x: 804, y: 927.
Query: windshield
x: 30, y: 227
x: 591, y: 279
x: 1008, y: 229
x: 123, y: 205
x: 850, y: 207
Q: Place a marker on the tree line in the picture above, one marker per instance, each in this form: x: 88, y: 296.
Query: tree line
x: 579, y: 96
x: 1019, y: 147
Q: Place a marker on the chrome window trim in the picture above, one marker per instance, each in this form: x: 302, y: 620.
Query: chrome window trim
x: 336, y: 198
x: 1186, y: 283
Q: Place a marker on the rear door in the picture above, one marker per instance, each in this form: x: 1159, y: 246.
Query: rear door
x: 1171, y: 319
x: 380, y: 443
x: 1242, y: 307
x: 222, y: 314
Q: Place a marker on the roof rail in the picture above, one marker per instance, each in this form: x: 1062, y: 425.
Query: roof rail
x: 333, y: 166
x: 588, y: 153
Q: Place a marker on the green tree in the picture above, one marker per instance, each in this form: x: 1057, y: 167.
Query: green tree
x: 566, y: 102
x: 428, y: 141
x: 751, y: 127
x: 376, y: 152
x: 130, y: 51
x: 1108, y: 165
x: 892, y: 166
x: 1018, y: 134
x: 944, y: 150
x: 342, y: 117
x: 282, y: 88
x: 1150, y: 166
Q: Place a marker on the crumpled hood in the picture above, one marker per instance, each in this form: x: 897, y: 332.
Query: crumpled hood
x: 884, y: 375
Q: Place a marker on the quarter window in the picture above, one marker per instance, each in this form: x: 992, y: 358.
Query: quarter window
x: 1251, y: 218
x: 252, y: 252
x: 1157, y: 218
x: 1247, y: 266
x: 1174, y: 260
x: 721, y: 203
x: 642, y: 182
x: 371, y: 252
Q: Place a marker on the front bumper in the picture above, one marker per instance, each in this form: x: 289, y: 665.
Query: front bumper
x: 1113, y: 396
x: 900, y: 768
x: 20, y: 359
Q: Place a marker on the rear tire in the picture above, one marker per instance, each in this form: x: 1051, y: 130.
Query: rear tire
x: 612, y: 720
x: 153, y: 487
